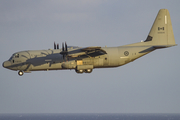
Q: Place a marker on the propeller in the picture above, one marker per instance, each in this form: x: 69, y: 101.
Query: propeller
x: 56, y: 47
x: 64, y: 51
x: 62, y: 46
x: 66, y: 46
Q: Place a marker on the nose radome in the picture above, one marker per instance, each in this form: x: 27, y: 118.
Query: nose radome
x: 6, y: 64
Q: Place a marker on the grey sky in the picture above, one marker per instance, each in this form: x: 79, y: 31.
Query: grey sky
x: 147, y: 85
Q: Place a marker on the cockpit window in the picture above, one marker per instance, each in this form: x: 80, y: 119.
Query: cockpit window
x: 16, y: 55
x: 10, y: 58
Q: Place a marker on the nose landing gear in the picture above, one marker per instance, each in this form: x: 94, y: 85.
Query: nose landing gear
x: 20, y: 73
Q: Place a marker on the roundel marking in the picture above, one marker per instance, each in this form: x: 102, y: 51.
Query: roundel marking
x: 126, y: 53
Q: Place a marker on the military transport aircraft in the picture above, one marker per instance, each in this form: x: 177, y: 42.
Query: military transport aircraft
x: 86, y: 59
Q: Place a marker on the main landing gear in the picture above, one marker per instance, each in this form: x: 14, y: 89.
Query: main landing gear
x: 20, y: 73
x: 81, y: 71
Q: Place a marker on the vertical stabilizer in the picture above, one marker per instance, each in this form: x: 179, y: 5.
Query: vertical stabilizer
x: 161, y: 32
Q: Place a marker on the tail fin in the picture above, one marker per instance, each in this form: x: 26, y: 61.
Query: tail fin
x: 161, y: 32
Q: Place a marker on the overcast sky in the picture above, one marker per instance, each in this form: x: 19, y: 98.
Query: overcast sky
x: 148, y: 85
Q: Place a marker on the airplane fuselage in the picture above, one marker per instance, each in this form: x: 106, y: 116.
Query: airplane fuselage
x: 36, y: 60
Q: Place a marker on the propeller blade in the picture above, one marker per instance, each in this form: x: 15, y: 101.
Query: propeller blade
x: 66, y: 47
x: 54, y: 45
x: 57, y: 46
x: 64, y: 51
x: 62, y: 46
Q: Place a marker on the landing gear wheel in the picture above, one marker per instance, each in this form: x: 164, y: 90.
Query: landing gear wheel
x: 20, y: 73
x: 88, y: 70
x: 79, y: 71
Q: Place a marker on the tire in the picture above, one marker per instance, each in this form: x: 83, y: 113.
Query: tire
x: 88, y: 70
x: 20, y: 73
x: 79, y: 71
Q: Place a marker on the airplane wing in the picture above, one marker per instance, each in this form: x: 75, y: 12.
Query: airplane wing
x: 88, y: 51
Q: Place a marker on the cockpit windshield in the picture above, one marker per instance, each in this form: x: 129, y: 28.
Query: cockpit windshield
x: 14, y: 56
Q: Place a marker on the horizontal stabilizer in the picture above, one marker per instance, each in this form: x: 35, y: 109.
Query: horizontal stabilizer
x: 154, y: 48
x: 148, y: 50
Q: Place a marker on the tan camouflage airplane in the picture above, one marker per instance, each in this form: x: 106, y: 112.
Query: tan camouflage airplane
x: 86, y: 59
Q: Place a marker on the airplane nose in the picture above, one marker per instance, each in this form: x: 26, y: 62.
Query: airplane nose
x: 6, y: 64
